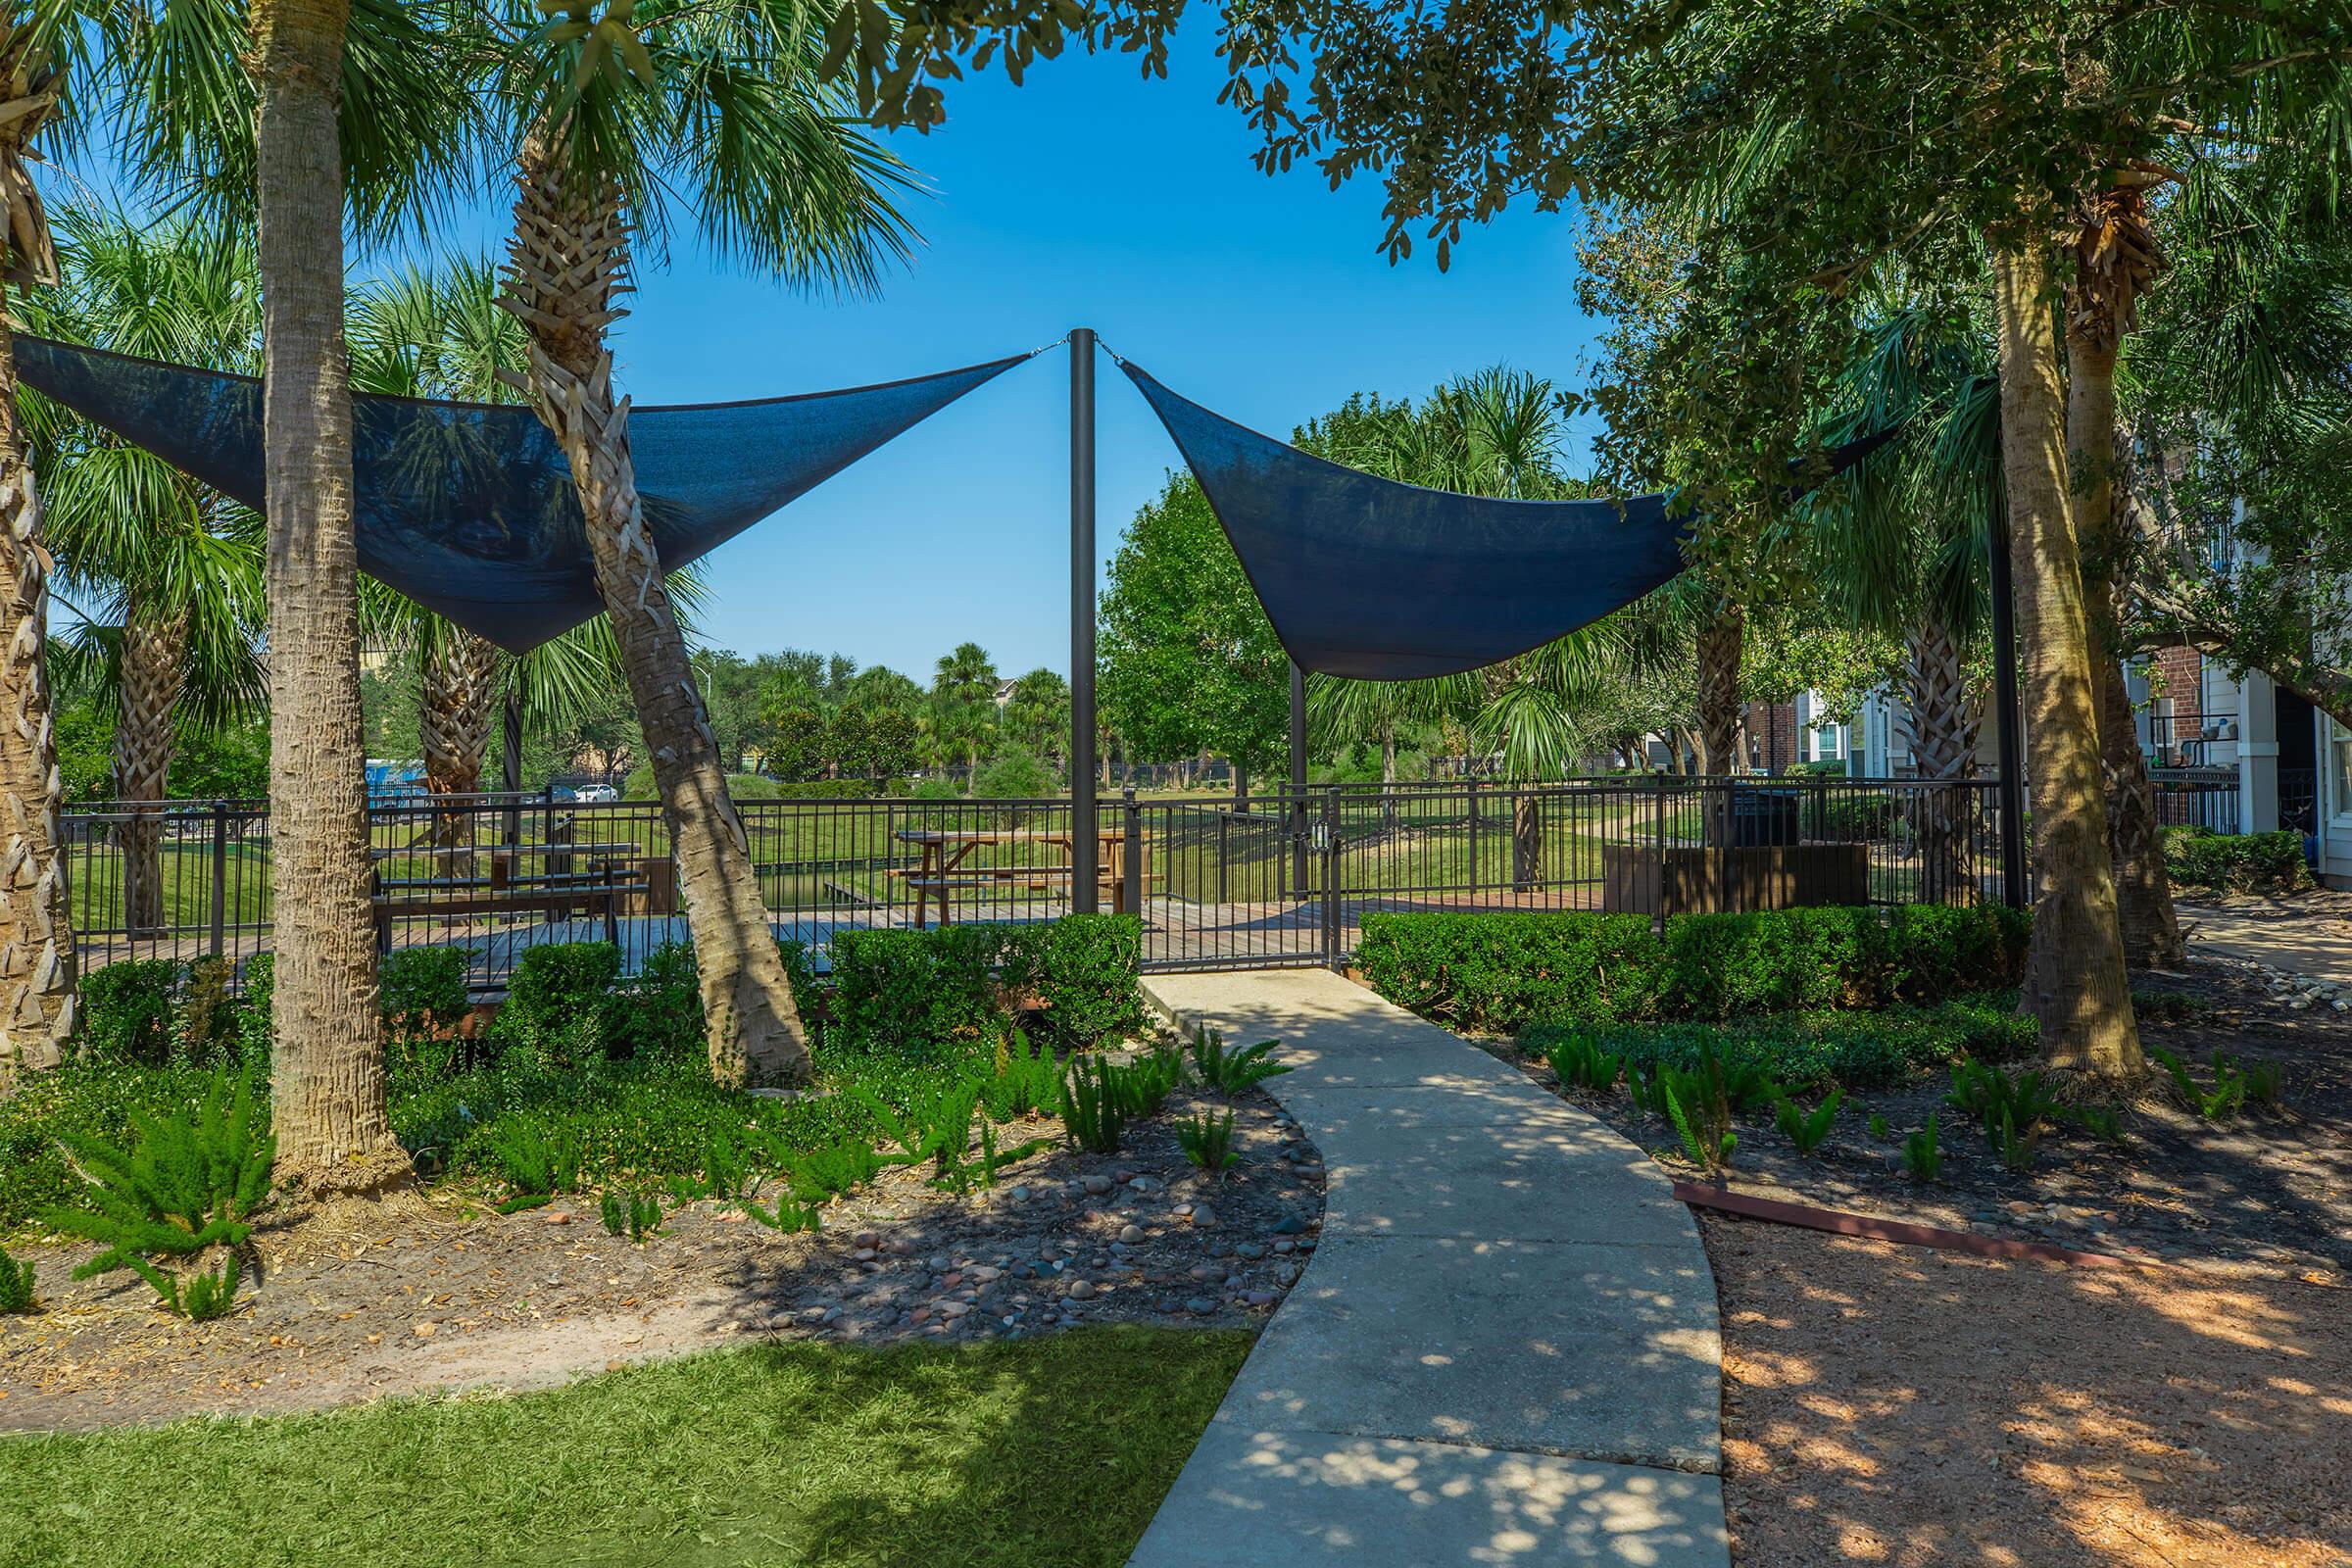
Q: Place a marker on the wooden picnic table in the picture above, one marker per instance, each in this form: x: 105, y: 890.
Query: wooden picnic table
x: 945, y: 850
x: 608, y: 878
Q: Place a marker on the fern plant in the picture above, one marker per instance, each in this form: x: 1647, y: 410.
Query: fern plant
x: 1093, y: 1114
x: 1806, y: 1130
x: 2232, y: 1085
x: 189, y: 1182
x: 963, y: 1173
x: 16, y: 1285
x: 1145, y: 1083
x: 1232, y: 1070
x: 1207, y: 1141
x: 1579, y: 1059
x: 821, y: 1174
x: 635, y: 1215
x: 787, y: 1216
x: 1026, y: 1080
x: 1922, y: 1156
x: 537, y: 1161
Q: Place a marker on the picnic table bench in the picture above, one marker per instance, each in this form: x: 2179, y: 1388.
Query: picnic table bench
x: 598, y: 888
x: 943, y: 869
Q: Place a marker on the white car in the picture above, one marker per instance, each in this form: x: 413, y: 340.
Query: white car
x: 596, y: 793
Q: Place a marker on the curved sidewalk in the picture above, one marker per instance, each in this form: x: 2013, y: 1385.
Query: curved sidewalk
x: 1504, y: 1349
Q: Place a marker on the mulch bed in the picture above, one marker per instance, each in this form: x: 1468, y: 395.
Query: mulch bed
x: 2269, y: 1193
x: 447, y: 1293
x: 1912, y: 1409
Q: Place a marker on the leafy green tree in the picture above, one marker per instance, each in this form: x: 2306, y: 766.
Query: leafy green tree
x: 1189, y: 662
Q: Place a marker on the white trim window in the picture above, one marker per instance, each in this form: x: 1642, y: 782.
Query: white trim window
x: 2340, y: 770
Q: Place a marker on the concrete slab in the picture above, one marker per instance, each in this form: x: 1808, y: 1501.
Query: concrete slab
x: 1598, y: 1351
x: 1292, y: 1500
x: 1504, y: 1349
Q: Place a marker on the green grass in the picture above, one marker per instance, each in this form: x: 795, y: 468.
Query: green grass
x: 1025, y: 1453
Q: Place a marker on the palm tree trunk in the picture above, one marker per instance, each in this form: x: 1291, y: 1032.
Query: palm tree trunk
x: 568, y: 259
x: 453, y: 704
x: 2151, y: 929
x: 327, y: 1067
x: 154, y: 666
x: 1943, y: 718
x: 37, y: 940
x: 2075, y: 983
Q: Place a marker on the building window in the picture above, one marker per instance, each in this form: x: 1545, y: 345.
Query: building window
x: 2339, y: 754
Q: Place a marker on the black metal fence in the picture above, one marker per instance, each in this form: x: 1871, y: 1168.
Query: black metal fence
x: 1283, y: 879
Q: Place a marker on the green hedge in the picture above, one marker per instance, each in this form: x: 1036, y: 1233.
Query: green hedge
x: 1845, y: 1049
x: 1498, y: 972
x: 894, y: 989
x: 2237, y: 863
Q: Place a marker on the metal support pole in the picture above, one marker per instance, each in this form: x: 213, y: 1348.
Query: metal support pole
x: 219, y: 877
x: 1085, y: 845
x: 510, y: 773
x: 2007, y: 719
x: 1299, y: 776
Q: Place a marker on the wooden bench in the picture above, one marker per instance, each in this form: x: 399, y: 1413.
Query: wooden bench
x: 597, y: 890
x: 943, y: 868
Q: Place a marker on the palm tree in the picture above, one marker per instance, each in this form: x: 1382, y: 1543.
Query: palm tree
x: 175, y: 569
x: 1901, y: 545
x: 963, y: 711
x: 608, y: 116
x: 36, y: 943
x: 264, y: 111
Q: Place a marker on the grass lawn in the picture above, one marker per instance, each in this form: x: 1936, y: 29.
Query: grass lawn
x: 1050, y: 1452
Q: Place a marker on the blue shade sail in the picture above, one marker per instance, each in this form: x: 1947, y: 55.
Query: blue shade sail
x: 467, y: 508
x: 1377, y: 580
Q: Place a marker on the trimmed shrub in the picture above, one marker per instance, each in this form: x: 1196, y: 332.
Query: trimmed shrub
x: 126, y: 1010
x: 422, y: 995
x: 1087, y: 974
x: 558, y: 1007
x: 660, y: 1013
x: 2243, y: 863
x: 903, y: 991
x: 1497, y: 973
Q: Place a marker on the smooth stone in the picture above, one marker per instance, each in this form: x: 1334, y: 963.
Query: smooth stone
x: 1132, y: 1236
x: 1096, y: 1185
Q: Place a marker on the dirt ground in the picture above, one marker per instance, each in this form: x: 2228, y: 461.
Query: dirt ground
x: 454, y: 1294
x: 1914, y: 1409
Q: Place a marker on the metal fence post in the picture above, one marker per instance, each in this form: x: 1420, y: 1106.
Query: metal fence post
x: 219, y: 877
x: 1224, y: 848
x: 1474, y: 882
x: 1131, y: 849
x: 1330, y: 879
x: 1658, y: 825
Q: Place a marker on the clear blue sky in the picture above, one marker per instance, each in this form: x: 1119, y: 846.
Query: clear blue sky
x: 1088, y: 196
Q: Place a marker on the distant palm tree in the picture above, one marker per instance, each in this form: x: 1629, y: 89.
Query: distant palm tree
x: 171, y: 570
x: 609, y: 118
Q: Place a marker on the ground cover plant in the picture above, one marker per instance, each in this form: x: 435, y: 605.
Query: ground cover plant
x: 800, y: 1453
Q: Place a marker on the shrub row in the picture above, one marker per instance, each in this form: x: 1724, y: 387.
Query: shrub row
x: 896, y: 989
x: 2235, y: 862
x: 1497, y: 973
x: 1825, y: 1049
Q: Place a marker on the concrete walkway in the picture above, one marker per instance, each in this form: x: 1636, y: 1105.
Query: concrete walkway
x: 1504, y: 1350
x: 2315, y: 946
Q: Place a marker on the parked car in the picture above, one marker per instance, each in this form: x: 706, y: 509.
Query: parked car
x: 596, y: 793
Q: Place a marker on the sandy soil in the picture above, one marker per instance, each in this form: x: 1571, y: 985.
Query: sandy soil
x: 1897, y: 1405
x: 452, y: 1294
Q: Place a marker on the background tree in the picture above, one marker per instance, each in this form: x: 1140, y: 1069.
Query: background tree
x: 610, y: 115
x: 1189, y: 662
x: 1037, y: 713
